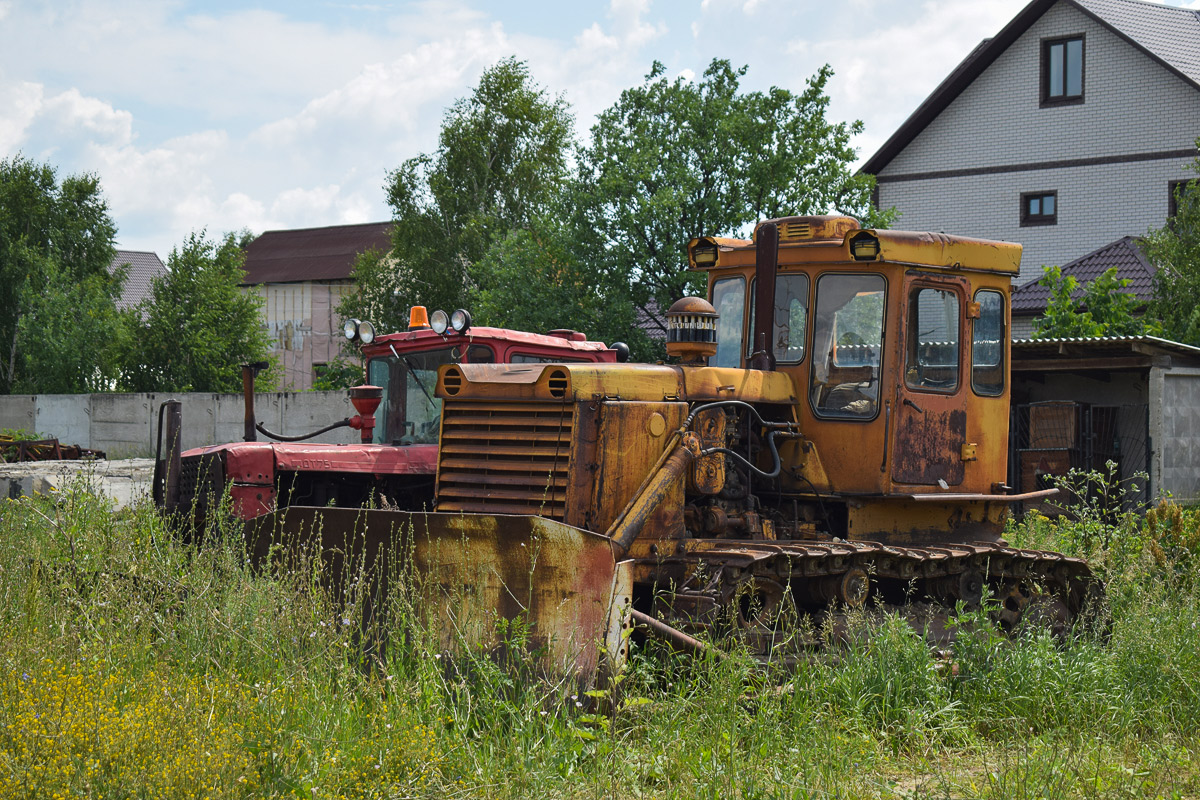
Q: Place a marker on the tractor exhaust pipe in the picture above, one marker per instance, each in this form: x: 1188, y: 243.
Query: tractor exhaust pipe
x: 766, y: 260
x: 166, y: 470
x: 249, y: 371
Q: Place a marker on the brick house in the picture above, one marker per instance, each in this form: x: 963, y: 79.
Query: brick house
x: 1066, y: 131
x: 302, y: 275
x: 142, y: 267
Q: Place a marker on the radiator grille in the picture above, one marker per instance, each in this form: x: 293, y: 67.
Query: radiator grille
x: 505, y: 457
x: 795, y: 230
x: 201, y: 483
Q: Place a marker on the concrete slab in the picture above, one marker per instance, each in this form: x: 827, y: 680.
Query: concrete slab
x: 125, y: 481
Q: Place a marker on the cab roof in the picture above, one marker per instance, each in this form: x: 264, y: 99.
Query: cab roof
x: 828, y: 238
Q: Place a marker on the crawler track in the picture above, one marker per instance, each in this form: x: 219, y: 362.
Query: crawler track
x: 763, y: 589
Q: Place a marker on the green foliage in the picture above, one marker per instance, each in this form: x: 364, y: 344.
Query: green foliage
x: 1104, y: 309
x: 197, y: 328
x: 1175, y: 250
x: 539, y: 279
x: 341, y: 373
x: 131, y: 663
x: 494, y: 220
x: 57, y: 299
x: 672, y: 160
x: 502, y: 156
x: 377, y: 295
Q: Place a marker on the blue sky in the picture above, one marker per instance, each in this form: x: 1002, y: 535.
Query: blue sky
x: 264, y: 115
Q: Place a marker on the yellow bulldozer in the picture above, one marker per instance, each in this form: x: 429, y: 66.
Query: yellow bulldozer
x: 831, y: 435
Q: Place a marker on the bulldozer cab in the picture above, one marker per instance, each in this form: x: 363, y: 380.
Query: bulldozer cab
x: 896, y: 344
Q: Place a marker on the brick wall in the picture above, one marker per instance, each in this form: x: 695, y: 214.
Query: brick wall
x: 1132, y: 105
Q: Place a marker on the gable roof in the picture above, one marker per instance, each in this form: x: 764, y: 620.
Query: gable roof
x: 312, y: 254
x: 1167, y: 34
x: 1124, y: 254
x: 144, y: 267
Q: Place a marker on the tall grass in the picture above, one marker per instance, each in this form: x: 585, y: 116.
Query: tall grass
x: 132, y: 665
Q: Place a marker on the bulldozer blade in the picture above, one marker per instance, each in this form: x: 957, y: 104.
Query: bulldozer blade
x: 478, y: 581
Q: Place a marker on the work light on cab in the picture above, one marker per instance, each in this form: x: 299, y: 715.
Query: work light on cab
x: 460, y: 320
x: 357, y: 330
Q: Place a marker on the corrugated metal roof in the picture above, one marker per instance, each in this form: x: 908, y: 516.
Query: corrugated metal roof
x: 312, y: 254
x: 1124, y: 254
x: 1101, y: 346
x: 144, y: 267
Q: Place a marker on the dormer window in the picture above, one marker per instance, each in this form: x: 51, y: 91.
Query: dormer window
x: 1062, y: 71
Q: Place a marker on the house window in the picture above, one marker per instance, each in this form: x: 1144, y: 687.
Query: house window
x: 1062, y: 71
x: 1039, y: 208
x: 1174, y: 190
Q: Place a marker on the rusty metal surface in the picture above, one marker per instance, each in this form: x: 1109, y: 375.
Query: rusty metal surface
x: 19, y: 450
x: 927, y: 446
x: 464, y: 574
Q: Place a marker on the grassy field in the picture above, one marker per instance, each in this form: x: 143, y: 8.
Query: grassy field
x: 132, y: 665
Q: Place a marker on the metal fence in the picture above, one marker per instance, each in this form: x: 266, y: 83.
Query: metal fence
x: 1049, y: 439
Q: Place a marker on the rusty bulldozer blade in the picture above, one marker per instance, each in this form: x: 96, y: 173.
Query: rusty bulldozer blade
x: 465, y: 574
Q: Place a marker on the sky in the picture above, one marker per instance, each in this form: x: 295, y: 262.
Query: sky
x: 225, y: 115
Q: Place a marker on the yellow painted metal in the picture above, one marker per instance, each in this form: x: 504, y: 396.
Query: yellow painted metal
x: 902, y: 520
x: 473, y: 580
x: 929, y: 250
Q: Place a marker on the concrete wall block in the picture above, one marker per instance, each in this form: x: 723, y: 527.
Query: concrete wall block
x: 308, y: 411
x: 19, y: 412
x: 122, y: 424
x: 65, y: 417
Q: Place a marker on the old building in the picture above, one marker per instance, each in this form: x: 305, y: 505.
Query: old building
x: 301, y: 276
x: 1065, y: 131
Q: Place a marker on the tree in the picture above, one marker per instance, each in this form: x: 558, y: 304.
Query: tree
x: 1175, y: 250
x: 674, y: 160
x: 197, y: 327
x: 502, y: 155
x: 57, y: 299
x: 1103, y: 309
x: 538, y: 279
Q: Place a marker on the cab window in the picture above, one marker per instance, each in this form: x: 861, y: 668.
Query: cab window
x: 791, y: 319
x: 847, y: 346
x: 527, y: 358
x: 409, y: 412
x: 729, y: 300
x: 987, y: 344
x: 931, y: 362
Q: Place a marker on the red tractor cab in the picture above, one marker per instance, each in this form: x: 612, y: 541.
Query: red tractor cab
x: 394, y: 463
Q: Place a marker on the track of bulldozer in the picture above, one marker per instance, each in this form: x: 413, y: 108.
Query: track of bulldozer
x: 762, y: 590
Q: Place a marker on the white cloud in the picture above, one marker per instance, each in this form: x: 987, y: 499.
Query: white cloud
x: 19, y: 104
x: 71, y: 111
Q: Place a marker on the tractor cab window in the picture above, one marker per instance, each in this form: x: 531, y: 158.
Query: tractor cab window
x: 729, y: 300
x: 791, y: 318
x: 987, y: 344
x: 527, y: 358
x: 409, y: 413
x: 847, y: 345
x: 931, y: 364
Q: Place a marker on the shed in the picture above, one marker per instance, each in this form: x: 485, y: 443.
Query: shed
x: 1081, y: 403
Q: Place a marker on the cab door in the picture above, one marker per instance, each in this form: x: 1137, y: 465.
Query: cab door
x: 930, y: 405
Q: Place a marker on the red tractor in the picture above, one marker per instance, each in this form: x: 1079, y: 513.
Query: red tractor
x: 398, y: 416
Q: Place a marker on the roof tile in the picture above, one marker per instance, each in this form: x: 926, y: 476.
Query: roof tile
x: 1124, y: 254
x: 312, y: 254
